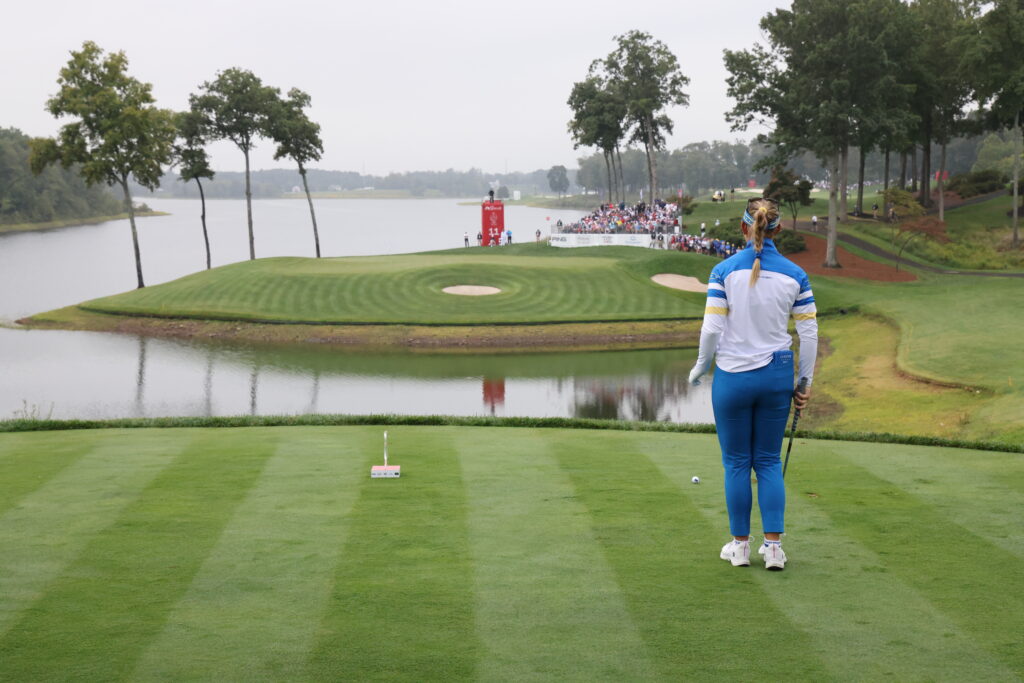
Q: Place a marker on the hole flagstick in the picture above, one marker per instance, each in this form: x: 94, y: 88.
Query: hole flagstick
x: 796, y: 418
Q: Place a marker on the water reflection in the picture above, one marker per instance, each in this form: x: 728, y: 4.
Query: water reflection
x: 140, y: 380
x: 84, y: 375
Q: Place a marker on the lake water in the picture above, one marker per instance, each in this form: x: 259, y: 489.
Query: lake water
x: 96, y: 375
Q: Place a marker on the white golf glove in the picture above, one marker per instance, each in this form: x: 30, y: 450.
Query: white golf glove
x: 705, y: 355
x: 699, y: 370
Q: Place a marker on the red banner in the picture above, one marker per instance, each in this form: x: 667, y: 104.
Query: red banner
x: 492, y: 222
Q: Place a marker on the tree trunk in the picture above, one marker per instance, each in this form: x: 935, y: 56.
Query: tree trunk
x: 860, y: 182
x: 942, y: 184
x: 652, y: 163
x: 885, y: 182
x: 833, y: 190
x: 312, y: 214
x: 903, y: 170
x: 926, y: 171
x: 1016, y: 178
x: 913, y: 169
x: 622, y: 176
x: 248, y: 206
x: 844, y: 181
x: 202, y: 217
x: 135, y: 234
x: 608, y: 168
x: 613, y: 179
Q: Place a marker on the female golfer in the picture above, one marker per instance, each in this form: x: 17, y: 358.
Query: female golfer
x: 751, y: 296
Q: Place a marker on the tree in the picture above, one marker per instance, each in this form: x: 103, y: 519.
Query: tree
x: 117, y: 132
x: 903, y: 222
x: 788, y: 188
x: 558, y: 179
x: 57, y: 193
x: 236, y: 106
x: 298, y: 138
x: 648, y: 76
x: 502, y: 192
x: 193, y: 162
x: 820, y: 75
x: 997, y: 72
x: 598, y: 113
x: 940, y: 88
x: 685, y: 204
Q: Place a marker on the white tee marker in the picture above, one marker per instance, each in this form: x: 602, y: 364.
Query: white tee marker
x: 385, y: 471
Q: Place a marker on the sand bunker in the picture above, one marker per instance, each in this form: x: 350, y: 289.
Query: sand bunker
x: 683, y: 282
x: 470, y: 290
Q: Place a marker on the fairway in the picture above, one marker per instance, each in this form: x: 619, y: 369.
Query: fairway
x: 501, y: 554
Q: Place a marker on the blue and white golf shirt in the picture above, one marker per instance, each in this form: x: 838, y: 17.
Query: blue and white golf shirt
x: 750, y: 323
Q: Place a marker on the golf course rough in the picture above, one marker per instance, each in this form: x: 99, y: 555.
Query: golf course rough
x: 267, y: 553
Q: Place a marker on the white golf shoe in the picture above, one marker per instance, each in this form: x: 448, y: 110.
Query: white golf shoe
x: 774, y: 557
x: 737, y: 552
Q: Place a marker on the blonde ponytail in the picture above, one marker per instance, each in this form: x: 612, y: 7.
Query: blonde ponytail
x: 764, y: 215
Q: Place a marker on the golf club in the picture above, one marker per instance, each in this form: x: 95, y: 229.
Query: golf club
x: 796, y: 418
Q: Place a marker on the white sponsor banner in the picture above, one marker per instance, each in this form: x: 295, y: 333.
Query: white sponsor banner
x: 599, y: 240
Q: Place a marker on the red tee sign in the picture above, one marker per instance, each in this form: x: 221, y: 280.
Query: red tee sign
x: 492, y: 223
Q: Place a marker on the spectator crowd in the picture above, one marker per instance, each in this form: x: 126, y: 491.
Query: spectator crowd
x: 659, y: 220
x: 623, y: 219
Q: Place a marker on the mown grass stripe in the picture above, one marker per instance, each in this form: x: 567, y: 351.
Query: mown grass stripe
x: 702, y: 617
x: 251, y: 611
x: 103, y: 611
x: 991, y: 478
x: 544, y: 592
x: 867, y: 611
x: 940, y: 559
x: 402, y: 602
x: 49, y: 527
x: 28, y: 462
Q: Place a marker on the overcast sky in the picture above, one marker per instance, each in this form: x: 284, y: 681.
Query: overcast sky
x: 396, y: 85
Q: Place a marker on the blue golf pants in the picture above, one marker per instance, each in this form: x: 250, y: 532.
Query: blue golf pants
x: 750, y: 414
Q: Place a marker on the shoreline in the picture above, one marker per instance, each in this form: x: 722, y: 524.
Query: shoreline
x: 75, y: 222
x: 546, y: 338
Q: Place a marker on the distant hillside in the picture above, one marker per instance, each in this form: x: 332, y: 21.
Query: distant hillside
x: 279, y: 181
x: 54, y: 195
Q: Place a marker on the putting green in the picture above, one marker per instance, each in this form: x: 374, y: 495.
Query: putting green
x: 269, y: 554
x: 537, y: 283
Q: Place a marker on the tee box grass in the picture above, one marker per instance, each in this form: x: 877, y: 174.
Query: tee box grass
x: 509, y: 554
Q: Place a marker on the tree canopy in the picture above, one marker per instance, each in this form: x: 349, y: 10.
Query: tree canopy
x: 54, y: 194
x: 558, y: 179
x: 115, y: 131
x: 237, y: 106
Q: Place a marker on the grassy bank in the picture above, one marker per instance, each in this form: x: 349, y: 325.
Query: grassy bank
x: 268, y: 553
x: 73, y: 222
x: 469, y: 339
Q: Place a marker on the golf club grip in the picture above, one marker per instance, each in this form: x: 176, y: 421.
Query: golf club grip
x: 800, y: 388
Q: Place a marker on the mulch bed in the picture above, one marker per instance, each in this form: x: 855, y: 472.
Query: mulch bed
x: 852, y: 265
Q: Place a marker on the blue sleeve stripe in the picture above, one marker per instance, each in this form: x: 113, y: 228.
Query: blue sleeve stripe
x: 718, y: 293
x: 803, y: 302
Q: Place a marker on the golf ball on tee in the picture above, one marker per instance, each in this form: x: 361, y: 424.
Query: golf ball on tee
x: 696, y: 480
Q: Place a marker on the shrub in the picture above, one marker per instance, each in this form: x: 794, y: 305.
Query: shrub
x: 787, y: 241
x: 980, y: 182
